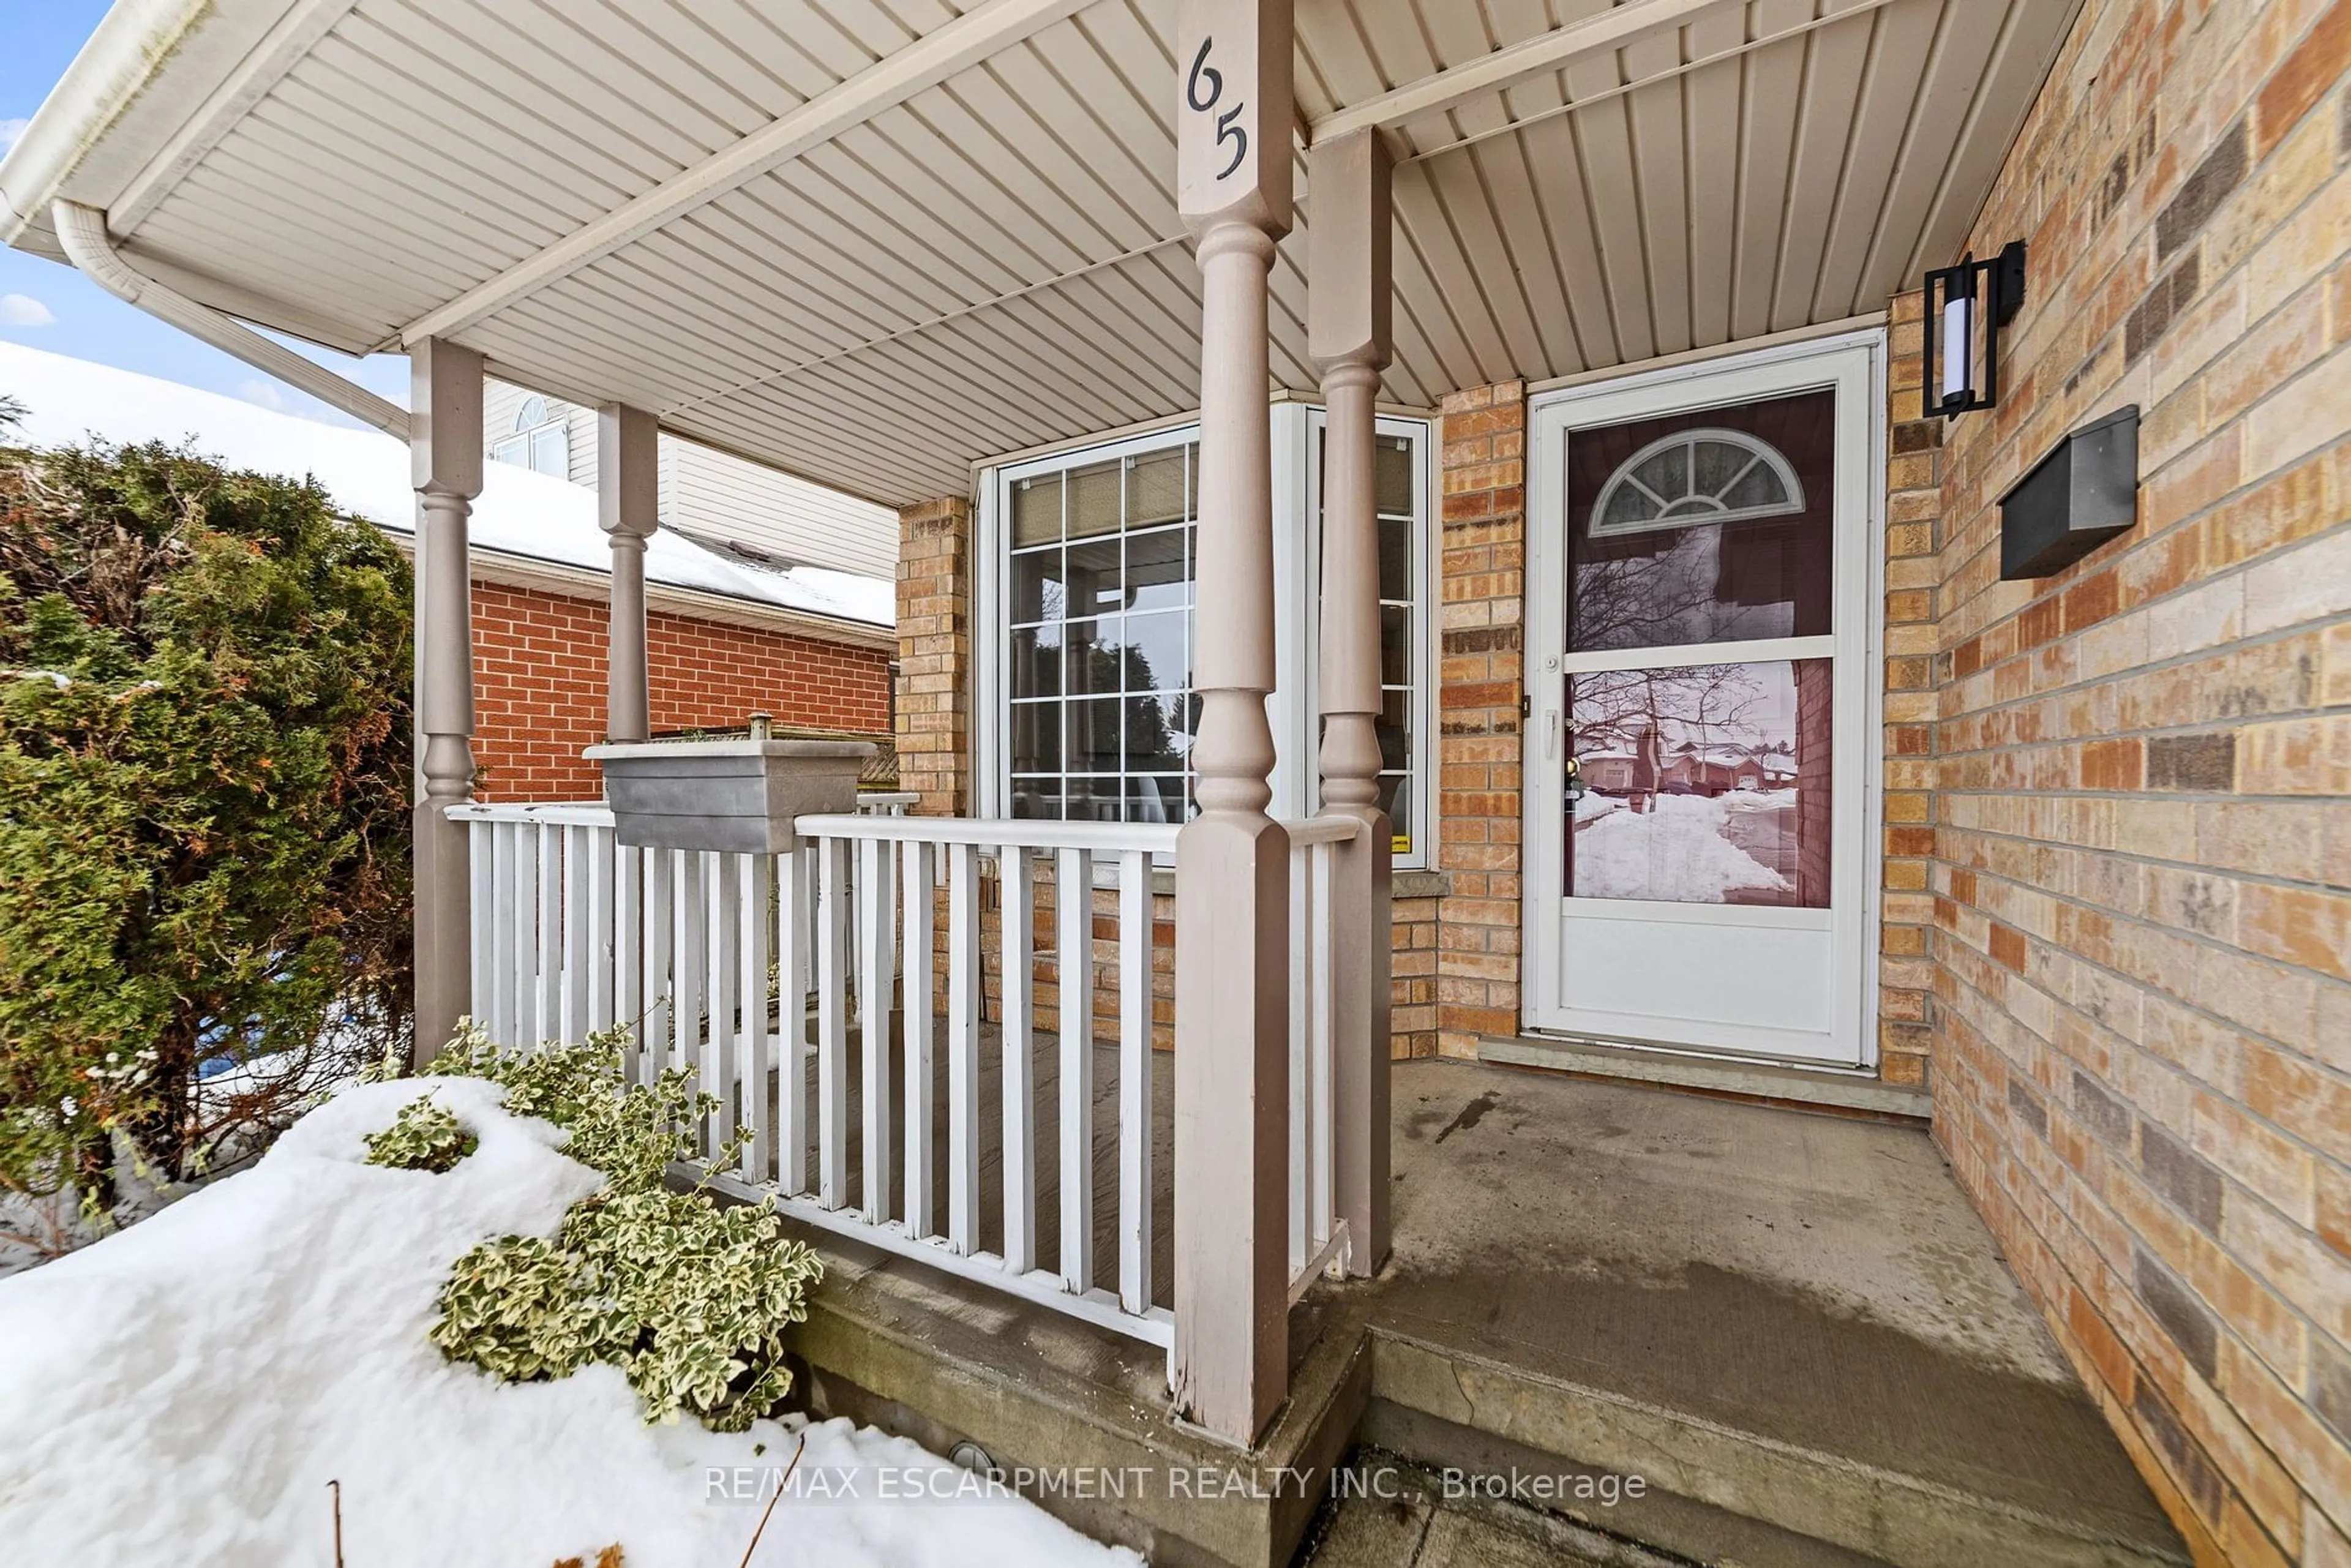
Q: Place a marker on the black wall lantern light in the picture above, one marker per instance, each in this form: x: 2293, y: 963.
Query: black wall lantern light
x: 1966, y: 305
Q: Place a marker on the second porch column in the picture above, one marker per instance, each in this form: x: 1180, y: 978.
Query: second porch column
x: 1347, y: 318
x: 1232, y: 883
x: 628, y: 500
x: 446, y: 450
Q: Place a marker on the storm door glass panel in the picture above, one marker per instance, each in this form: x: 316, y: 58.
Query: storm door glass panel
x: 1707, y: 527
x: 1703, y: 784
x: 1098, y: 593
x: 1705, y: 536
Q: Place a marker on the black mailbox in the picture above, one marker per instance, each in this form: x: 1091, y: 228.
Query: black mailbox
x: 2075, y: 499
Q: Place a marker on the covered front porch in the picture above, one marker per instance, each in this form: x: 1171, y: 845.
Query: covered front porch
x: 1097, y: 1118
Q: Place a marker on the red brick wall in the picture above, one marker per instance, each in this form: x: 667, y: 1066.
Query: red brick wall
x: 2142, y: 863
x: 539, y: 686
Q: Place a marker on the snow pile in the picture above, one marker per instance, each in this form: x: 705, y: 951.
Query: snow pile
x: 1675, y: 850
x: 182, y: 1392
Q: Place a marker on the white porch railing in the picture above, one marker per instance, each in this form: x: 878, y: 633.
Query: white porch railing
x: 711, y: 958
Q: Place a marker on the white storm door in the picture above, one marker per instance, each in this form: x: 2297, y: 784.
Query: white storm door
x: 1702, y: 615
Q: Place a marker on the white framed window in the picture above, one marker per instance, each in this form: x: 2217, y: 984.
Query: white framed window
x: 1083, y: 636
x: 540, y: 440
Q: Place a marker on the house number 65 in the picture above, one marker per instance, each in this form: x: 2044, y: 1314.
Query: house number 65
x: 1201, y: 91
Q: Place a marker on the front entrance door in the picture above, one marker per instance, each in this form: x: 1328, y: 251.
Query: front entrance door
x: 1699, y: 853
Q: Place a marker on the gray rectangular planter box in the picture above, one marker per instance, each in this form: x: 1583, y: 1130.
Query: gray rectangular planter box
x: 738, y: 795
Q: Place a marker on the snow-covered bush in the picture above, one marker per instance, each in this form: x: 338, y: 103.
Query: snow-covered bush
x: 689, y: 1299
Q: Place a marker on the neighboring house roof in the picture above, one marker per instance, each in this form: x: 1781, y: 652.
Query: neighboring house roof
x: 520, y: 513
x: 745, y: 508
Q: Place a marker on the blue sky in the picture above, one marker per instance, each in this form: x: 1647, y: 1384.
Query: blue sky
x: 47, y: 306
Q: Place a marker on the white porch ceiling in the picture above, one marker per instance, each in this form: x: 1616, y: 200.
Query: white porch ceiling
x: 993, y: 260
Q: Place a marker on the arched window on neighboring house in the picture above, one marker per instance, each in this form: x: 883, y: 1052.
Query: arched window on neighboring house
x: 1697, y: 476
x: 542, y: 440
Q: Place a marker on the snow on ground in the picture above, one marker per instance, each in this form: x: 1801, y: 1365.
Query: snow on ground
x: 1676, y: 849
x: 182, y: 1392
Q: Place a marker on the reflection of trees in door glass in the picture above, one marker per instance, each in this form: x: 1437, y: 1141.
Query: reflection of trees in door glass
x: 1707, y: 527
x: 1703, y: 784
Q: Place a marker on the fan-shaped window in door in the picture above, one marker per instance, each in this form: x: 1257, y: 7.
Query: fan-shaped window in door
x: 1697, y: 476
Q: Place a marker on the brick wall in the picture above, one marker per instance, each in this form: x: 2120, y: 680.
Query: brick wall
x: 934, y: 669
x: 2141, y: 849
x: 540, y: 685
x: 1481, y: 628
x: 1914, y: 504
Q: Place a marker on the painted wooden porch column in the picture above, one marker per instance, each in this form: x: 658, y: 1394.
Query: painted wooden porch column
x: 1347, y: 315
x: 446, y: 452
x: 628, y: 499
x: 1232, y: 883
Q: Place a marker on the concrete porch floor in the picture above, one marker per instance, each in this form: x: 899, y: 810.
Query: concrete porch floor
x: 1792, y: 1326
x: 1795, y: 1319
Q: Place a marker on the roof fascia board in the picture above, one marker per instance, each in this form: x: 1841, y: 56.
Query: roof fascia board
x: 126, y: 94
x: 132, y: 42
x: 1625, y: 24
x: 929, y: 60
x: 294, y: 34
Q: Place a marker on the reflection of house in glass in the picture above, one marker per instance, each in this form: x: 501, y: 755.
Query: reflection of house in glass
x: 1704, y: 784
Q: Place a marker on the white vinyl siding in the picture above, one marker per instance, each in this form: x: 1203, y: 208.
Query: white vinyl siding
x: 711, y: 495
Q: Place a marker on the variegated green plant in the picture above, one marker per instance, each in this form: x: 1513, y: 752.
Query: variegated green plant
x: 689, y: 1299
x: 425, y: 1137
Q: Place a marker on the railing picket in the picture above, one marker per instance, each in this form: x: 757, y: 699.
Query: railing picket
x: 1322, y: 1044
x: 963, y: 1048
x: 721, y: 954
x: 1134, y: 1196
x: 498, y: 1017
x: 1019, y: 1090
x: 791, y: 1022
x: 876, y: 962
x: 685, y: 961
x: 752, y: 1054
x: 1301, y: 919
x: 579, y: 922
x: 660, y: 995
x: 523, y: 1023
x: 1073, y: 908
x: 628, y: 955
x: 916, y: 863
x: 833, y: 1021
x: 549, y: 1020
x: 601, y: 954
x: 481, y: 864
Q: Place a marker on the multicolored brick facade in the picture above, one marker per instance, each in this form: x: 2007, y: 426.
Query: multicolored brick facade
x: 539, y: 697
x: 1482, y: 629
x: 2142, y: 857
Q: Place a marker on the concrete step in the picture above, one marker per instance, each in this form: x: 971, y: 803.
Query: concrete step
x: 1717, y: 1494
x: 1392, y: 1513
x: 1765, y: 1082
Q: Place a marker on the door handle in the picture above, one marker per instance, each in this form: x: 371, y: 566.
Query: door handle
x: 1550, y: 733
